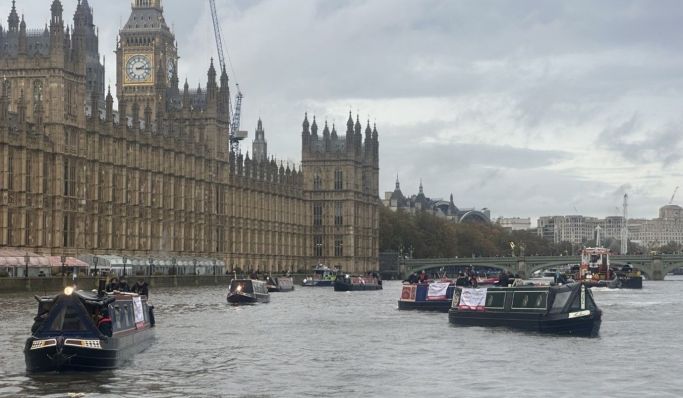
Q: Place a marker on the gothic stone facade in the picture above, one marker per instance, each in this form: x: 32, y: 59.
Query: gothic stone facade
x: 157, y: 178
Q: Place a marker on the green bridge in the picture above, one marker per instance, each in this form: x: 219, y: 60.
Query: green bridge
x: 654, y: 267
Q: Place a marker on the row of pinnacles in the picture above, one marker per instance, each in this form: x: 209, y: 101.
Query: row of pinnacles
x: 330, y: 143
x: 72, y: 43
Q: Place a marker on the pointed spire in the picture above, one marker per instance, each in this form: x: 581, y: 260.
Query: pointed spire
x: 13, y: 19
x: 305, y: 124
x: 186, y: 95
x: 109, y: 101
x: 451, y: 198
x: 398, y: 184
x: 334, y: 132
x: 224, y: 77
x: 22, y: 45
x: 421, y: 189
x: 314, y: 127
x: 212, y: 72
x: 349, y: 124
x: 326, y: 130
x: 259, y: 125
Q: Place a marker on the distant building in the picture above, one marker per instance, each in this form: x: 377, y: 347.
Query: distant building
x: 444, y: 209
x: 668, y: 227
x: 514, y: 223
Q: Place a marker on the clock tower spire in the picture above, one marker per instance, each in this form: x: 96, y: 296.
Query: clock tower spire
x: 146, y: 57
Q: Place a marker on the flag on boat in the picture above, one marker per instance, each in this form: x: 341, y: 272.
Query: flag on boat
x: 438, y: 291
x: 473, y: 299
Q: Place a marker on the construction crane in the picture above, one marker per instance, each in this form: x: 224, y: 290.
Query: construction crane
x: 234, y: 134
x: 673, y: 196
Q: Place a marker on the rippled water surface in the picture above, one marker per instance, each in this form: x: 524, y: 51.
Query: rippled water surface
x: 317, y: 342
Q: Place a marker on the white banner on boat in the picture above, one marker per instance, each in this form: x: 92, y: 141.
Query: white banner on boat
x: 139, y: 314
x: 473, y: 299
x: 437, y: 291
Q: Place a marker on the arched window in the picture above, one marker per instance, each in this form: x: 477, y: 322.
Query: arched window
x: 338, y: 180
x: 317, y: 182
x: 37, y: 90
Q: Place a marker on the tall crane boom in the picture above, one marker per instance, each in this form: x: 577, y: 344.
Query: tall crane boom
x: 234, y: 128
x: 673, y: 196
x: 217, y: 33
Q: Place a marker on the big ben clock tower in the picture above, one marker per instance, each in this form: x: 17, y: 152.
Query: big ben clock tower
x: 146, y: 58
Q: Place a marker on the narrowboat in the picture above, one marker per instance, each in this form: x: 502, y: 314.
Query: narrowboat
x: 323, y: 276
x: 81, y: 330
x: 434, y: 296
x: 347, y: 283
x: 596, y: 271
x: 280, y: 284
x: 248, y: 291
x: 560, y: 309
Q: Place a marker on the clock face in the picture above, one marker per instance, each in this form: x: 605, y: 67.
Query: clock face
x: 170, y: 68
x: 138, y: 68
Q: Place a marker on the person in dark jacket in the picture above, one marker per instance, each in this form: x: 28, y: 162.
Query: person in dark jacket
x: 112, y: 285
x: 140, y: 287
x: 123, y: 286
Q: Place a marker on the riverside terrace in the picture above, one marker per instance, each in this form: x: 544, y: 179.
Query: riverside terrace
x: 654, y: 267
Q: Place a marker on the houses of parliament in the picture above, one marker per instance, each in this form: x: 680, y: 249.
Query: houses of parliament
x: 156, y: 177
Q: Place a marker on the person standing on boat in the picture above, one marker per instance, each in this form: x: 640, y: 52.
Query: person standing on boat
x: 140, y: 287
x: 123, y: 285
x: 112, y: 285
x: 423, y: 277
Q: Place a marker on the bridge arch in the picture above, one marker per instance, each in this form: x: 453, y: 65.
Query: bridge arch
x: 417, y: 268
x: 475, y: 217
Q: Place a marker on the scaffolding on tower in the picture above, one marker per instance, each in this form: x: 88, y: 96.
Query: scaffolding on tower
x: 234, y: 133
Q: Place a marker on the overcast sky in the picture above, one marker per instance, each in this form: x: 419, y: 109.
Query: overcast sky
x: 526, y: 107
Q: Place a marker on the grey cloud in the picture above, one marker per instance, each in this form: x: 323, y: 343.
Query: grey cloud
x: 567, y: 73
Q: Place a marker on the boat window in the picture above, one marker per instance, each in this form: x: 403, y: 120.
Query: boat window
x: 560, y: 300
x: 495, y: 299
x: 129, y: 312
x: 529, y: 299
x: 246, y: 286
x: 117, y: 317
x: 67, y: 320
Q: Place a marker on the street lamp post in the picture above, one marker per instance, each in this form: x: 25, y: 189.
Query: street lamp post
x: 173, y: 262
x: 194, y: 263
x: 27, y: 258
x: 214, y: 267
x: 151, y: 266
x: 125, y: 260
x: 95, y: 260
x: 63, y: 258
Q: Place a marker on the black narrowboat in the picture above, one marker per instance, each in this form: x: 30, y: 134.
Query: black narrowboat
x: 248, y: 291
x: 280, y: 284
x: 323, y: 276
x: 81, y: 330
x: 559, y: 309
x: 347, y: 283
x: 434, y: 296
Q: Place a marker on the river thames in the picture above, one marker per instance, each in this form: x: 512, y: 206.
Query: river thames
x: 316, y: 342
